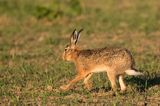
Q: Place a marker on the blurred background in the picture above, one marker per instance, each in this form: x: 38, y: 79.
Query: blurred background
x: 33, y: 34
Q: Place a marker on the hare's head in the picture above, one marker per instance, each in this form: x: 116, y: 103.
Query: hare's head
x: 71, y: 49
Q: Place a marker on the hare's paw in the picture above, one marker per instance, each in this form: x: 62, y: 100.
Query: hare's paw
x: 64, y: 87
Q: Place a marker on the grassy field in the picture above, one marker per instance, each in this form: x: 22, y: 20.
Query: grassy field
x: 33, y: 35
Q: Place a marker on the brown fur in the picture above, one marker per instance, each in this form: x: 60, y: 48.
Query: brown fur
x: 114, y: 61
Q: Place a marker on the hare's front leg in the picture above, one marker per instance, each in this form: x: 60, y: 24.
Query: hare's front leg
x: 72, y: 82
x: 122, y: 84
x: 87, y: 83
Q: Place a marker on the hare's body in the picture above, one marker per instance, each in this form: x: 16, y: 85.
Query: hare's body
x: 98, y: 60
x: 115, y: 61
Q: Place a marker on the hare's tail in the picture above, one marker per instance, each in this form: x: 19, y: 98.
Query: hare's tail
x: 133, y: 72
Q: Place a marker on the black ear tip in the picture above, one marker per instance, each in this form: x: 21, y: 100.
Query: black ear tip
x: 74, y: 31
x: 81, y: 30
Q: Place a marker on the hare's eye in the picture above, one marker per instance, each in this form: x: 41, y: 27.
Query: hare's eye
x: 65, y: 49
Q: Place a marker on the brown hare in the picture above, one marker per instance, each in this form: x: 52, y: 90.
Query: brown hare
x: 114, y: 61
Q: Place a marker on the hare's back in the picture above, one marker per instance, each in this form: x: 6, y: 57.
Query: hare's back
x: 106, y: 55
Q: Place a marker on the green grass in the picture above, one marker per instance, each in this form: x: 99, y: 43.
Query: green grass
x: 31, y: 68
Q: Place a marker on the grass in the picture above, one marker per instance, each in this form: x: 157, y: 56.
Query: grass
x: 31, y: 68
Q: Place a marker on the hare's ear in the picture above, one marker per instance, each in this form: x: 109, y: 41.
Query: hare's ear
x: 74, y: 37
x: 78, y: 35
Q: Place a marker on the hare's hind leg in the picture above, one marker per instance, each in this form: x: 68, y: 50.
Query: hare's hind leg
x: 87, y: 83
x: 121, y: 82
x: 72, y: 82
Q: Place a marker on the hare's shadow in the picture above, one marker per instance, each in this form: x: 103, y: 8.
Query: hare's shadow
x: 145, y: 82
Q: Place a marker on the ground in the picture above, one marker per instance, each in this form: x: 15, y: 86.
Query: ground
x: 31, y: 67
